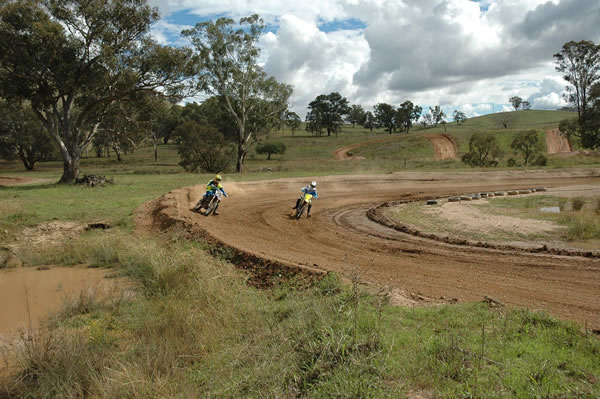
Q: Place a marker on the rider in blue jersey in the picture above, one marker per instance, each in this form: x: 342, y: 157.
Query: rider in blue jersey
x: 212, y: 186
x: 310, y: 189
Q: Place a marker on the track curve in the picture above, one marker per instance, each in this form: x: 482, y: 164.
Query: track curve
x: 339, y: 237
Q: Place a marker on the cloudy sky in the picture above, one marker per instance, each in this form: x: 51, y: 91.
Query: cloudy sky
x: 459, y: 54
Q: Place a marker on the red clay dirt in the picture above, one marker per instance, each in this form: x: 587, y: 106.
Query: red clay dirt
x: 557, y: 143
x: 444, y: 146
x: 255, y: 223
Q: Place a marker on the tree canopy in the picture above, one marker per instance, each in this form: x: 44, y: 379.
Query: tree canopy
x: 73, y: 59
x: 229, y: 69
x: 327, y: 111
x: 580, y: 63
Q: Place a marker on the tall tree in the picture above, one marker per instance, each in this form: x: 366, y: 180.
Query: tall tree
x: 369, y: 121
x: 437, y: 115
x: 580, y: 63
x: 330, y: 110
x: 229, y: 68
x: 516, y: 102
x: 385, y: 115
x: 407, y: 113
x: 293, y: 121
x: 72, y: 59
x: 459, y: 116
x: 356, y: 115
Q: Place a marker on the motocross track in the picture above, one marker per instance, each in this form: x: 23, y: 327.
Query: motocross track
x: 444, y: 146
x: 255, y: 225
x: 557, y: 143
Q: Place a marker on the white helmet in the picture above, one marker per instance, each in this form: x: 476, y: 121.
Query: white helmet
x: 313, y: 184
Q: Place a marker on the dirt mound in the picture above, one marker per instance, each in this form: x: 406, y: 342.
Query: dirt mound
x: 444, y: 146
x: 255, y: 229
x: 557, y: 143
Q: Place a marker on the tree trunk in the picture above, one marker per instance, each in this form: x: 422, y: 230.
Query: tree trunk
x: 239, y: 167
x: 70, y: 171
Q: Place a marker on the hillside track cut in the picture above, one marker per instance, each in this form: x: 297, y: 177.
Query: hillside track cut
x: 256, y: 220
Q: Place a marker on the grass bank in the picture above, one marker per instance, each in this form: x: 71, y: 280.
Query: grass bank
x: 195, y: 329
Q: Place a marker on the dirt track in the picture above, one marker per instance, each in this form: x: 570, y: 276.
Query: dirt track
x: 444, y: 146
x: 256, y: 220
x: 557, y: 143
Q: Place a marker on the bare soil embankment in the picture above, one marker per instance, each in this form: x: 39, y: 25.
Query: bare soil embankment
x: 444, y: 146
x: 256, y: 227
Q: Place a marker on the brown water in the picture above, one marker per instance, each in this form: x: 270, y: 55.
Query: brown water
x: 28, y: 295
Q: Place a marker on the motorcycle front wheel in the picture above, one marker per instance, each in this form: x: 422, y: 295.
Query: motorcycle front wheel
x: 300, y: 210
x: 211, y: 207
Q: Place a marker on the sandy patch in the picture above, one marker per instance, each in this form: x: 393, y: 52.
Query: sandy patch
x: 470, y: 217
x: 6, y: 181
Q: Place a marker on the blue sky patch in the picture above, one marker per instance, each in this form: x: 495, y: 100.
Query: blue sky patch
x: 185, y: 17
x: 482, y: 7
x: 346, y: 24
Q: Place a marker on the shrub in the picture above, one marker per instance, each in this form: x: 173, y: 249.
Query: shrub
x: 483, y: 151
x: 203, y: 148
x: 270, y: 148
x: 578, y: 203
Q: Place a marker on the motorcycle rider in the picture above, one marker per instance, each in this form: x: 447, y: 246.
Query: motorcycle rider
x: 212, y: 186
x: 310, y: 189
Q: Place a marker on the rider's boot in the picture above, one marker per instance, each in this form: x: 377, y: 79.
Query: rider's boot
x: 216, y: 212
x: 308, y: 210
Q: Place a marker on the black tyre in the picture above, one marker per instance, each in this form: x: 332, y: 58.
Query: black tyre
x: 211, y: 207
x: 300, y: 210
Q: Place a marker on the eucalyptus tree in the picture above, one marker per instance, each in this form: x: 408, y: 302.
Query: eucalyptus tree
x: 293, y: 121
x: 407, y: 113
x: 385, y: 115
x: 459, y: 116
x: 356, y: 115
x: 369, y: 122
x: 72, y: 59
x: 580, y: 63
x: 330, y: 109
x: 229, y: 69
x: 22, y: 135
x: 516, y: 102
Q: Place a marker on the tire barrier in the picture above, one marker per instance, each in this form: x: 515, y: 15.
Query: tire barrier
x: 475, y: 196
x: 499, y: 194
x: 524, y: 191
x: 454, y: 199
x: 513, y: 192
x: 432, y: 202
x: 541, y: 189
x: 466, y: 198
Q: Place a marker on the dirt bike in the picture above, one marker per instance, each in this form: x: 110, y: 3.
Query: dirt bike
x: 305, y: 200
x: 209, y: 202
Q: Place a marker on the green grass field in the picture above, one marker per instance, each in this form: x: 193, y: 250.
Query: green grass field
x: 196, y: 329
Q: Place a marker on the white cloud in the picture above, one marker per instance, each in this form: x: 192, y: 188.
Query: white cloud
x: 452, y: 53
